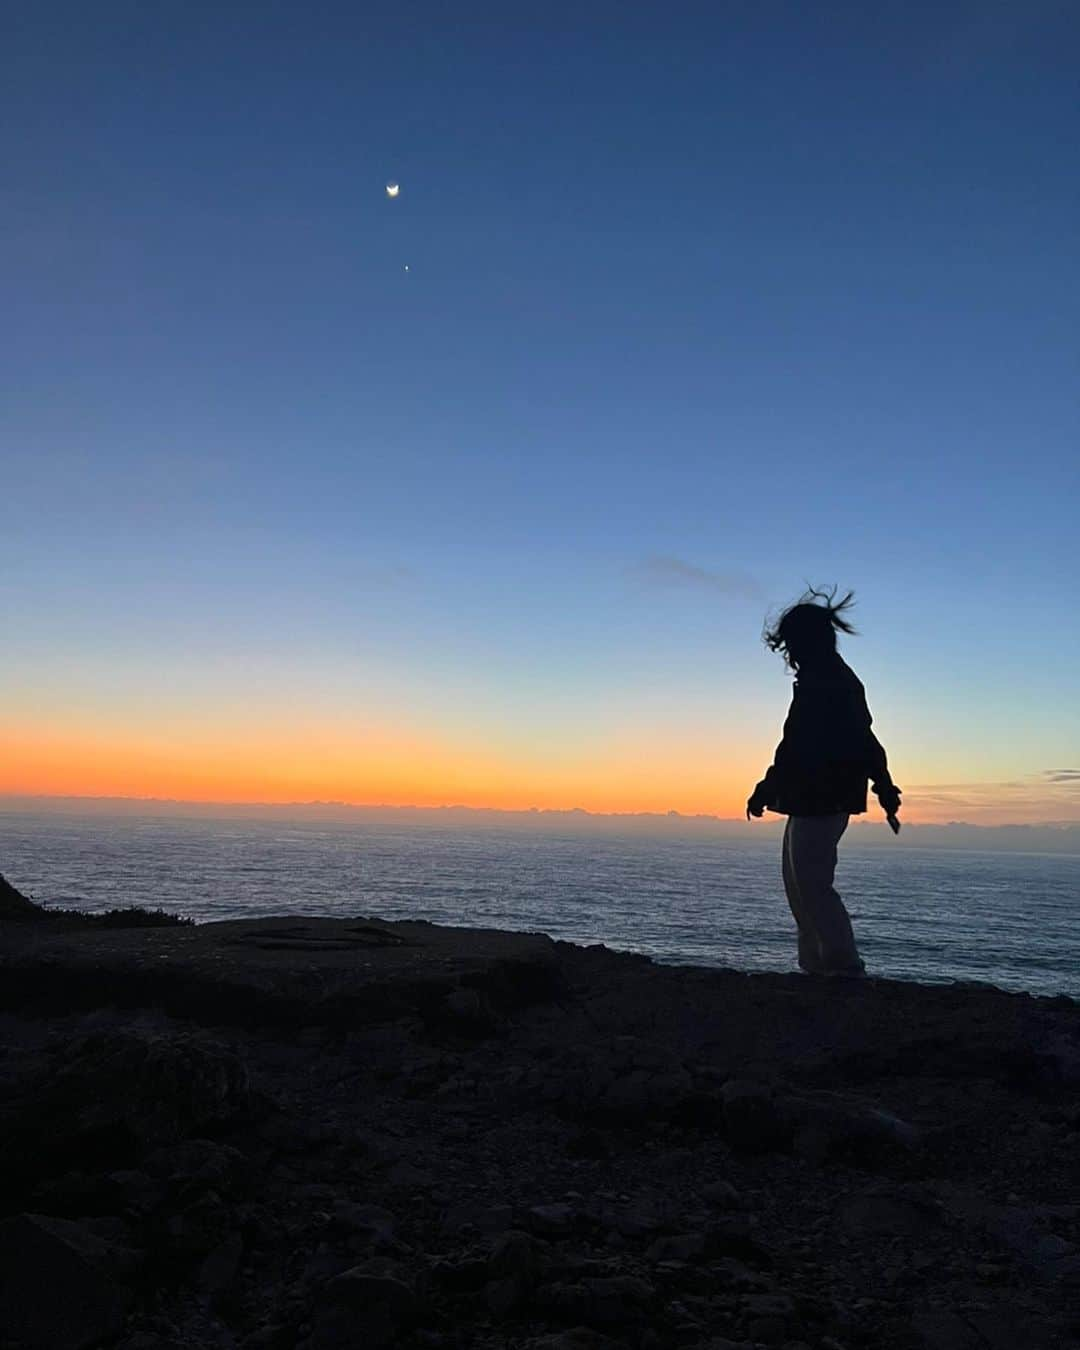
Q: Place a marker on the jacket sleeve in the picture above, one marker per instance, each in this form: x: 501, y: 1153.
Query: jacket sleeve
x: 783, y: 756
x: 877, y: 767
x: 877, y: 764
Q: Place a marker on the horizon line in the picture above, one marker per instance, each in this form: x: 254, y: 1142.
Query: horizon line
x: 577, y: 811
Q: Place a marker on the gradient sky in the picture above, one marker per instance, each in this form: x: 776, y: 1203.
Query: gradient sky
x: 704, y: 301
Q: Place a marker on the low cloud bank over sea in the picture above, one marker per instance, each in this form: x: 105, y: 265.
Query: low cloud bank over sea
x: 1045, y: 837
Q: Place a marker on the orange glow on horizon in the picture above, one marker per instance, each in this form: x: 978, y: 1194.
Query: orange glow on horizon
x: 375, y: 767
x: 361, y: 769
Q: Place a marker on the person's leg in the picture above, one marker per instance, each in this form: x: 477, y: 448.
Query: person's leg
x: 809, y: 949
x: 812, y: 853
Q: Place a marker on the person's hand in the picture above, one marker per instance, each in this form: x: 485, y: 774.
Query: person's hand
x: 889, y: 797
x: 755, y: 806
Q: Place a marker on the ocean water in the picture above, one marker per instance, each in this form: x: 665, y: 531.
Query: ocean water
x: 1010, y: 919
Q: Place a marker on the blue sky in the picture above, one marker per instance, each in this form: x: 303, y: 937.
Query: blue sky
x: 702, y: 301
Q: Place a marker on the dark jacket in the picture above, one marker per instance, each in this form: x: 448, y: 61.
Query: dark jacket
x: 828, y: 750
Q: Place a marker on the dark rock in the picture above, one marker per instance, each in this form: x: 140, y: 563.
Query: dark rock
x: 200, y: 1164
x: 466, y: 1010
x: 681, y: 1247
x: 721, y: 1195
x: 136, y: 1190
x: 15, y: 905
x: 633, y: 1217
x: 358, y: 1306
x: 619, y: 1079
x: 516, y: 1253
x: 886, y: 1213
x: 504, y: 1294
x: 753, y: 1120
x: 201, y: 1224
x: 514, y: 1263
x: 609, y: 1301
x: 409, y: 1177
x: 1004, y: 1328
x: 369, y: 1223
x: 484, y: 1218
x: 326, y: 1262
x: 78, y: 1195
x: 1044, y: 1254
x: 461, y: 1274
x: 826, y: 1129
x: 108, y: 1096
x: 245, y: 971
x: 588, y: 1144
x: 272, y: 1336
x: 364, y: 1161
x: 942, y: 1329
x: 732, y: 1274
x: 767, y: 1330
x: 578, y: 1338
x: 555, y: 1220
x: 1026, y: 1231
x: 58, y: 1285
x: 220, y: 1266
x: 733, y: 1235
x: 770, y: 1305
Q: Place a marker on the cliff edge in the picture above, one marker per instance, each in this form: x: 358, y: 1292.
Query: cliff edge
x: 314, y: 1133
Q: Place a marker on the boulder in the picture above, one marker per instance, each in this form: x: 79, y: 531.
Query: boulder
x: 221, y: 1266
x: 577, y: 1338
x: 515, y: 1253
x: 504, y: 1294
x: 679, y: 1247
x: 513, y: 1265
x: 943, y: 1329
x: 476, y: 1214
x: 371, y: 1225
x: 555, y: 1220
x: 885, y: 1212
x: 721, y: 1195
x: 198, y: 1226
x: 602, y: 1301
x: 754, y: 1120
x: 632, y: 1216
x: 99, y: 1103
x: 110, y: 1096
x: 826, y: 1128
x: 58, y: 1284
x: 136, y: 1190
x: 358, y: 1307
x: 15, y: 905
x: 621, y: 1078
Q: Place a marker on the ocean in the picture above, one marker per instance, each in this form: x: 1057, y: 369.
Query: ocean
x: 931, y: 914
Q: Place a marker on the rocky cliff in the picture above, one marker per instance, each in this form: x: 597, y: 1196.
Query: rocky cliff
x: 322, y: 1133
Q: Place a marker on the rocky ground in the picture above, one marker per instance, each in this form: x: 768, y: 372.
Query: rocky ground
x: 322, y: 1134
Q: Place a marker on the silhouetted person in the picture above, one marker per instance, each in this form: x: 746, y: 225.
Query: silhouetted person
x: 818, y: 776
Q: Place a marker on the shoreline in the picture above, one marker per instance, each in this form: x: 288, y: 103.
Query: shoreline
x: 294, y: 1134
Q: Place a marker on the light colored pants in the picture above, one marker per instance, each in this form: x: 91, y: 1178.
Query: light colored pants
x: 826, y: 942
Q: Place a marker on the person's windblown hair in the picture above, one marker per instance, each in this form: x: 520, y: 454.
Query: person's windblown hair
x: 808, y: 628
